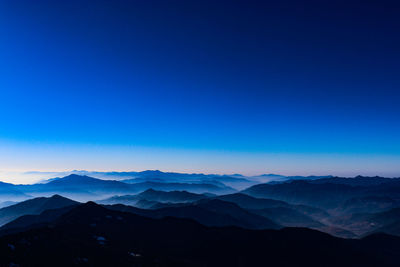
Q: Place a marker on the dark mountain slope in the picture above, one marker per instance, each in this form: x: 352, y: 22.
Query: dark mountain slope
x: 324, y: 195
x: 392, y: 229
x: 387, y: 217
x: 249, y: 202
x: 288, y: 217
x: 33, y: 206
x: 272, y: 210
x: 92, y: 235
x: 386, y: 222
x: 209, y: 213
x: 27, y: 222
x: 364, y: 223
x: 253, y: 221
x: 367, y: 204
x: 279, y: 211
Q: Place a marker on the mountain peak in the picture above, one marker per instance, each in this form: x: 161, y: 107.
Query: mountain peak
x: 57, y: 196
x: 76, y: 176
x: 89, y: 206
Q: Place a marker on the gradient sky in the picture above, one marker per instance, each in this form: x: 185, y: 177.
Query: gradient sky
x: 294, y: 87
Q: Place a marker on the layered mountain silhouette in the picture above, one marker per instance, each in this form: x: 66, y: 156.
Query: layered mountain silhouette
x: 208, y: 212
x: 94, y: 235
x: 248, y: 202
x: 155, y: 196
x: 329, y: 193
x: 364, y: 210
x: 9, y: 192
x: 366, y: 223
x: 286, y: 214
x: 33, y: 206
x: 367, y: 204
x: 325, y: 195
x: 280, y: 212
x: 88, y: 188
x: 234, y: 181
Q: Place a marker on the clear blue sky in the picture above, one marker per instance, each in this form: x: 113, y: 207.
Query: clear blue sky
x: 281, y: 86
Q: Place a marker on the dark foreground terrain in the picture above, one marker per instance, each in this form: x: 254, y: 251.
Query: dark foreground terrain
x: 93, y: 235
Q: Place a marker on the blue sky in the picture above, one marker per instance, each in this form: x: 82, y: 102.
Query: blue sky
x: 244, y: 87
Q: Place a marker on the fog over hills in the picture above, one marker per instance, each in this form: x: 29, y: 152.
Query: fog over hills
x: 345, y: 208
x: 159, y: 176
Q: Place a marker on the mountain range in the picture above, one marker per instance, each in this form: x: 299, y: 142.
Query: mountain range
x: 359, y: 213
x: 85, y: 188
x: 89, y: 234
x: 236, y: 181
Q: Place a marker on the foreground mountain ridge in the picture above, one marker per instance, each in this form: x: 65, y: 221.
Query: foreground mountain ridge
x: 96, y: 235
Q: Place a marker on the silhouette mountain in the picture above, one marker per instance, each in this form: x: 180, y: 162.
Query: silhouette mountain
x: 358, y: 181
x: 85, y: 187
x: 366, y: 223
x: 286, y: 214
x: 93, y: 235
x: 386, y: 222
x: 198, y: 188
x: 322, y: 195
x: 158, y: 176
x: 207, y: 212
x: 249, y: 202
x: 155, y: 196
x: 391, y: 228
x: 276, y: 212
x: 211, y: 212
x: 27, y: 222
x: 77, y: 185
x: 253, y: 221
x: 171, y: 196
x: 33, y: 206
x: 328, y: 192
x: 288, y: 217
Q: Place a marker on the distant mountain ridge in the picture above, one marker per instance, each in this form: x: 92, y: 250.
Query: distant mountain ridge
x: 155, y: 195
x: 236, y: 181
x: 327, y: 192
x: 88, y: 188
